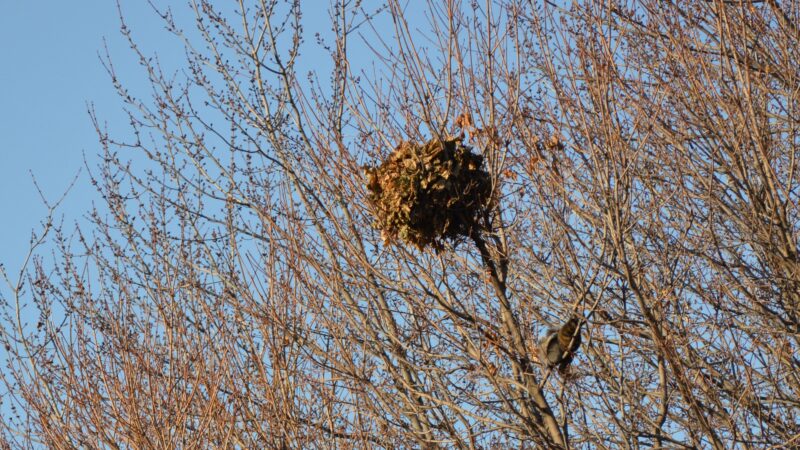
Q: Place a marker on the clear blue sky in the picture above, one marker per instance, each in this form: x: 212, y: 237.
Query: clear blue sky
x: 49, y: 72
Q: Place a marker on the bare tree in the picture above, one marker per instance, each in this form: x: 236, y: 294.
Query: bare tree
x: 234, y: 291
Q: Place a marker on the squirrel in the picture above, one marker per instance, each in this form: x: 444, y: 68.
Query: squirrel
x: 559, y: 346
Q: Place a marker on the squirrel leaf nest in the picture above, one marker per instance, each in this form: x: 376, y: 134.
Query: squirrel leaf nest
x: 426, y: 193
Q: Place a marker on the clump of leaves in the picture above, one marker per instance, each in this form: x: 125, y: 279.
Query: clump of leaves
x: 427, y: 193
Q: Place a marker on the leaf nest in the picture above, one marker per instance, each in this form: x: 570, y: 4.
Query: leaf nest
x: 427, y: 193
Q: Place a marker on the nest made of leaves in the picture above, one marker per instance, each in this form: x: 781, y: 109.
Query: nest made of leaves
x: 427, y: 193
